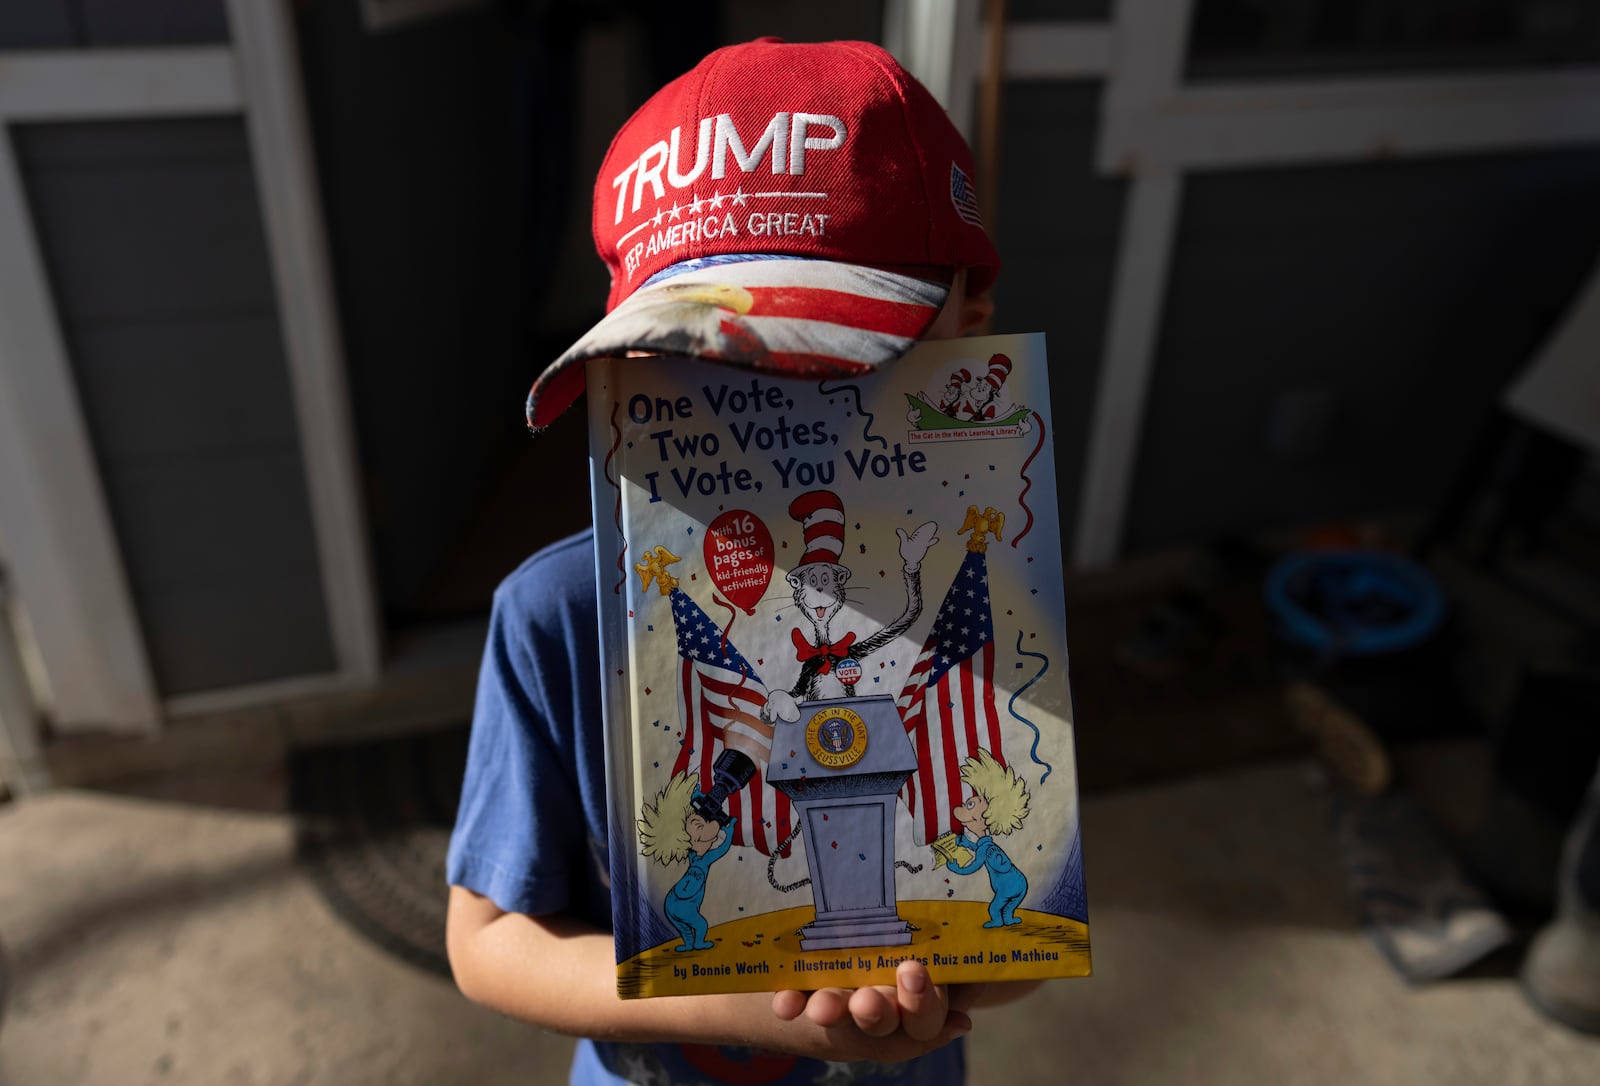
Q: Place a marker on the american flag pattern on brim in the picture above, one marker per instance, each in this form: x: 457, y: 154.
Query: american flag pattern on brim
x: 792, y: 317
x: 948, y: 703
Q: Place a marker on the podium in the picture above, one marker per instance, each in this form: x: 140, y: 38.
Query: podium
x: 842, y: 764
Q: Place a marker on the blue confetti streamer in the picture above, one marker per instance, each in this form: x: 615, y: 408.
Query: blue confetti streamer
x: 866, y: 430
x: 1011, y: 707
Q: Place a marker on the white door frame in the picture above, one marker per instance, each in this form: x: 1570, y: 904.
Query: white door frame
x: 1155, y: 127
x: 941, y: 41
x: 60, y: 546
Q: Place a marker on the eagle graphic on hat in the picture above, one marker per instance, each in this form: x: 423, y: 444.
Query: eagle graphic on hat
x: 818, y: 581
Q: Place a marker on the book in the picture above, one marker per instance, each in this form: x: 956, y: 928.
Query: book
x: 839, y: 727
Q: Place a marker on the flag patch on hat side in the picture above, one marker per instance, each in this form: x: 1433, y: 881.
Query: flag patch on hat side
x: 965, y: 197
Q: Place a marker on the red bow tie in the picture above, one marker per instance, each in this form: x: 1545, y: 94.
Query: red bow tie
x: 829, y: 651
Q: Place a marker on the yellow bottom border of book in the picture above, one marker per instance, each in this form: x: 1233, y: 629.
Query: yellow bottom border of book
x: 762, y: 953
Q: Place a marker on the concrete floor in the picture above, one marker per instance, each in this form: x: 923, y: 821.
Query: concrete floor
x: 161, y: 943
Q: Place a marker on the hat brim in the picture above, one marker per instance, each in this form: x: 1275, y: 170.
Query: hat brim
x: 792, y: 317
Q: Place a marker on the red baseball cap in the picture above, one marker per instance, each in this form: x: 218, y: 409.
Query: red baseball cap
x: 798, y: 208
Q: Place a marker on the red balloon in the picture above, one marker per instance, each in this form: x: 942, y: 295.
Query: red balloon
x: 739, y: 557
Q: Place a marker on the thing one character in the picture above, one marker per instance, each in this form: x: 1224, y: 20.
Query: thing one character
x: 669, y: 830
x: 998, y: 804
x: 818, y: 583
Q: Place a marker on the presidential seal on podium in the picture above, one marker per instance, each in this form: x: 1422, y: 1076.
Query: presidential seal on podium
x: 836, y: 737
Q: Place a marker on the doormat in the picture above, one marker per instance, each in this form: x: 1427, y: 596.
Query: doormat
x: 372, y: 826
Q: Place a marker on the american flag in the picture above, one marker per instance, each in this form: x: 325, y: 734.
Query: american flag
x: 721, y: 697
x: 964, y: 196
x: 948, y: 701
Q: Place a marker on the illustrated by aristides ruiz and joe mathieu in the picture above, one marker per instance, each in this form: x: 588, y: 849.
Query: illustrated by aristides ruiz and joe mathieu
x: 838, y: 713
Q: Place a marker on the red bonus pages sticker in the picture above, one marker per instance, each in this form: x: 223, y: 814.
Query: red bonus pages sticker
x: 738, y: 552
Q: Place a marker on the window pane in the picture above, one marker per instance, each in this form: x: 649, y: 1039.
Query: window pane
x: 1335, y: 338
x: 152, y: 238
x: 1075, y: 11
x: 107, y: 23
x: 1233, y: 39
x: 1058, y: 224
x: 36, y: 24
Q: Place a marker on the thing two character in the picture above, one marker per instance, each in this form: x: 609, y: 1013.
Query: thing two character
x: 998, y: 804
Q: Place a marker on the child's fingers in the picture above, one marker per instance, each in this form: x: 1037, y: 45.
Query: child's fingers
x: 789, y: 1004
x: 923, y: 1005
x: 827, y: 1006
x: 874, y: 1010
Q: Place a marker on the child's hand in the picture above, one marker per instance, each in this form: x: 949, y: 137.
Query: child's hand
x: 912, y: 1017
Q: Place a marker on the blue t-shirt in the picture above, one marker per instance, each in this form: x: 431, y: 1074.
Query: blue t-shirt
x: 531, y: 831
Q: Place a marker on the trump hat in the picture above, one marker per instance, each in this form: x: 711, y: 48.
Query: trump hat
x: 796, y: 208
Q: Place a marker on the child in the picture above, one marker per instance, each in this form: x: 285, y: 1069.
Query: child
x: 801, y: 209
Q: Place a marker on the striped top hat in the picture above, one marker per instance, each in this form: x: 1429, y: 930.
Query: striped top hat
x: 999, y: 370
x: 821, y: 517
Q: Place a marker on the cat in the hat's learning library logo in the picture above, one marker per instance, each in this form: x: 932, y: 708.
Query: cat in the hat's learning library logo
x: 971, y: 403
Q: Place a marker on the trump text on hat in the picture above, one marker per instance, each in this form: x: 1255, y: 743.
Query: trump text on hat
x: 787, y: 138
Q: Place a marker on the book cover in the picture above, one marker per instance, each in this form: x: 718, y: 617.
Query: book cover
x: 839, y: 729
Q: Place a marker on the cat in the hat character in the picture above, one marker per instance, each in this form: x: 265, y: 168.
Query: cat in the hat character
x: 955, y: 392
x: 819, y: 592
x: 983, y: 401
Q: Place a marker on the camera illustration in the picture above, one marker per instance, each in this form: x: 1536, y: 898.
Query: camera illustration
x: 730, y: 772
